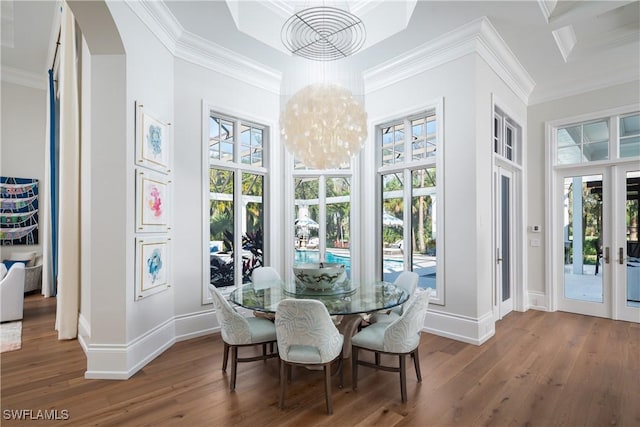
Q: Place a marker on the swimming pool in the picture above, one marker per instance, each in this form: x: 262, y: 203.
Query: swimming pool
x: 314, y: 256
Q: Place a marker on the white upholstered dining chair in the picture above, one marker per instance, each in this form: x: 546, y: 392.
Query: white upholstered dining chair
x: 407, y: 280
x: 400, y: 337
x: 307, y: 337
x: 239, y: 331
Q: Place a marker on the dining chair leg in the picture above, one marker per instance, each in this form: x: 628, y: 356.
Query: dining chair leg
x: 340, y: 361
x: 354, y: 368
x: 416, y: 363
x: 226, y: 357
x: 264, y: 352
x: 327, y: 387
x: 234, y: 366
x: 283, y: 382
x: 377, y: 358
x: 403, y: 378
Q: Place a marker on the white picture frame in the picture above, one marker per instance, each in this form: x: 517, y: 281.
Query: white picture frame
x: 153, y: 265
x: 153, y: 202
x: 153, y: 141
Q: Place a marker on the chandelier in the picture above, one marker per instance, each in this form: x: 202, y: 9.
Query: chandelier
x: 322, y: 124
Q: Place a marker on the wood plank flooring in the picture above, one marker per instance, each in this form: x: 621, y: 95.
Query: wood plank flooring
x: 540, y: 369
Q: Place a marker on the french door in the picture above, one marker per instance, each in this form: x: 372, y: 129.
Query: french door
x: 598, y: 212
x: 505, y: 246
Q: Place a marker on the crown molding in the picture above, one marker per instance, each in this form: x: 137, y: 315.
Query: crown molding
x: 160, y: 21
x: 200, y: 51
x: 559, y: 91
x: 478, y: 36
x: 24, y: 78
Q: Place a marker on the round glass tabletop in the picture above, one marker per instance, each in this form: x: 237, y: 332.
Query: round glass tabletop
x: 345, y: 298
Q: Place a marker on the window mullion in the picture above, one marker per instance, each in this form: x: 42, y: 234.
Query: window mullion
x: 614, y: 137
x: 406, y: 218
x: 408, y: 146
x: 322, y: 217
x: 237, y: 230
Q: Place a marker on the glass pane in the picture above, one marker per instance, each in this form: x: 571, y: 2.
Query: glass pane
x: 596, y: 131
x: 496, y: 135
x: 306, y: 224
x: 505, y: 232
x: 214, y: 128
x: 221, y: 227
x: 569, y: 136
x: 596, y: 151
x: 630, y: 125
x: 508, y: 142
x: 226, y: 130
x: 226, y: 151
x: 392, y: 226
x: 424, y: 226
x: 392, y: 144
x: 338, y: 227
x: 253, y: 223
x: 582, y: 236
x: 630, y: 146
x: 423, y: 137
x: 569, y: 155
x: 633, y: 248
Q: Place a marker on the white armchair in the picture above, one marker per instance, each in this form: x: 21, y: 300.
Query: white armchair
x: 12, y: 293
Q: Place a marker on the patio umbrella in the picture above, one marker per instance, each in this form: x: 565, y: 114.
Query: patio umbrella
x: 391, y: 221
x: 306, y: 222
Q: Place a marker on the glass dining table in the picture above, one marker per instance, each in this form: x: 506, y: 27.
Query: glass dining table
x: 347, y: 301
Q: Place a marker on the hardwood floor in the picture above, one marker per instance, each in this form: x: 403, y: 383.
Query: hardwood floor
x: 540, y: 369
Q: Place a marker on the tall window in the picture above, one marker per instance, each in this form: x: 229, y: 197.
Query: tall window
x: 408, y: 170
x: 236, y: 199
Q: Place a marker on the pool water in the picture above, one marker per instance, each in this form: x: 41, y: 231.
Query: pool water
x: 314, y: 256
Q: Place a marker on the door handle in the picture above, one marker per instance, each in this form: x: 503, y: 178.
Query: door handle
x: 606, y: 255
x: 620, y: 256
x: 498, y: 257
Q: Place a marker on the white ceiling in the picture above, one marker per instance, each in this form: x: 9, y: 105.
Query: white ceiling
x: 566, y: 46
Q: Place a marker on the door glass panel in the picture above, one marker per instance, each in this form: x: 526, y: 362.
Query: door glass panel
x: 392, y: 226
x: 221, y: 229
x: 307, y: 216
x: 338, y: 212
x: 582, y: 237
x: 423, y: 226
x: 505, y: 248
x: 252, y: 224
x: 633, y: 249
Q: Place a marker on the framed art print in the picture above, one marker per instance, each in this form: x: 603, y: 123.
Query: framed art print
x: 153, y: 265
x: 153, y: 142
x: 153, y: 201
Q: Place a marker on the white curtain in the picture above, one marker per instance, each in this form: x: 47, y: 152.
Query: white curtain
x: 69, y: 179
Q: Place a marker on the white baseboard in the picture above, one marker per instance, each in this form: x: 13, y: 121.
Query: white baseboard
x: 122, y: 361
x: 460, y: 328
x: 537, y: 301
x: 195, y: 325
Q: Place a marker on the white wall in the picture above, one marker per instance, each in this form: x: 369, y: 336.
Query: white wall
x: 455, y: 82
x: 193, y: 85
x: 22, y: 147
x: 590, y: 102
